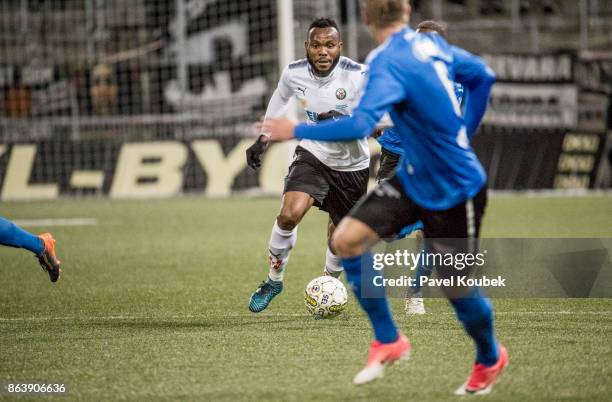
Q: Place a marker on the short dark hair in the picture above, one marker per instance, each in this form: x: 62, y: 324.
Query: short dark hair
x: 434, y: 26
x: 323, y: 22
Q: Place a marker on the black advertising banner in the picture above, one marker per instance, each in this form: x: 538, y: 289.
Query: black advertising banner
x: 546, y: 124
x: 522, y: 159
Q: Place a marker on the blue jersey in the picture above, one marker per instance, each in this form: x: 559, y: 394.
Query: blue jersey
x: 411, y: 77
x: 391, y: 140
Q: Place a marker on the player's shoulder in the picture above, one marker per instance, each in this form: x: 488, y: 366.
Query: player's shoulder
x: 391, y: 48
x: 295, y: 70
x: 298, y: 65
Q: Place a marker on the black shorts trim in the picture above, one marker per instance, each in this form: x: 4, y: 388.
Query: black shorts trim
x: 333, y: 191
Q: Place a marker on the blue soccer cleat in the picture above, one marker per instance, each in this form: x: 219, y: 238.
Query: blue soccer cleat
x: 267, y: 290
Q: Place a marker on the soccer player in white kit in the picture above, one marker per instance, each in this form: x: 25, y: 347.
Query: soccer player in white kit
x: 330, y: 175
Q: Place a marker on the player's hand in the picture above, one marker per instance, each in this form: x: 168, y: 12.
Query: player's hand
x: 278, y: 129
x: 332, y: 114
x: 254, y: 152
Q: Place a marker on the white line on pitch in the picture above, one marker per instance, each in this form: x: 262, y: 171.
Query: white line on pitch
x: 56, y: 222
x: 183, y: 317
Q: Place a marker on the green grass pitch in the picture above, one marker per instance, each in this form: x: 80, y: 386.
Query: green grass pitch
x: 153, y: 306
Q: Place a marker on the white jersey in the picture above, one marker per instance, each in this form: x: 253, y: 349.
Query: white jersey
x: 340, y: 91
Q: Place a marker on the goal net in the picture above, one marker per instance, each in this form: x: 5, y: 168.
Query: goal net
x: 153, y: 98
x: 81, y: 81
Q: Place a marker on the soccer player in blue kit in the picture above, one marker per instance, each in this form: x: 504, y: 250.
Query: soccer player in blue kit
x: 42, y: 246
x: 391, y: 152
x: 439, y: 179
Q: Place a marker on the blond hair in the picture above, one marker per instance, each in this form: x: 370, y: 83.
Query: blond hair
x: 384, y: 13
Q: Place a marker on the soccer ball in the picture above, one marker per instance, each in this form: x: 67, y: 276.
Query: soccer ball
x: 325, y: 297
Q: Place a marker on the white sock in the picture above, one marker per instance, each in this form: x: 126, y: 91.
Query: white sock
x: 281, y: 243
x: 333, y: 265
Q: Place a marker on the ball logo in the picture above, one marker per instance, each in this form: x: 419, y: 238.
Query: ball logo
x: 340, y: 93
x: 336, y: 308
x: 309, y: 300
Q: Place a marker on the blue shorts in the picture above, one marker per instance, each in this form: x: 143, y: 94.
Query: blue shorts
x: 406, y: 230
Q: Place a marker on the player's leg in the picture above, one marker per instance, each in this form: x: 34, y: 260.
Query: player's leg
x: 388, y: 163
x: 283, y: 237
x: 13, y: 236
x: 382, y: 213
x: 42, y: 246
x: 413, y: 303
x: 345, y: 191
x: 333, y: 263
x: 457, y: 230
x: 305, y: 186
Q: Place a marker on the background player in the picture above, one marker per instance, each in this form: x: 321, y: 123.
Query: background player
x: 391, y: 152
x: 331, y: 175
x: 437, y: 152
x: 42, y: 246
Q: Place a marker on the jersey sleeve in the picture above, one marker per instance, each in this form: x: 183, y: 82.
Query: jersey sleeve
x: 277, y: 105
x: 473, y: 73
x: 279, y: 102
x: 383, y: 89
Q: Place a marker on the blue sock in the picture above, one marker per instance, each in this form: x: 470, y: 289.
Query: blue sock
x: 476, y: 314
x: 14, y: 236
x: 359, y: 273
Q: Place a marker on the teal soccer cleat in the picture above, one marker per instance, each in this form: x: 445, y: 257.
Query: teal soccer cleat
x: 264, y: 295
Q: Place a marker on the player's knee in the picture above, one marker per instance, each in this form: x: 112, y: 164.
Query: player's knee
x: 343, y: 244
x: 288, y: 218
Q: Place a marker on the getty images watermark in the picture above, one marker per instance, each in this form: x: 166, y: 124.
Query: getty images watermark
x: 507, y: 268
x: 411, y: 261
